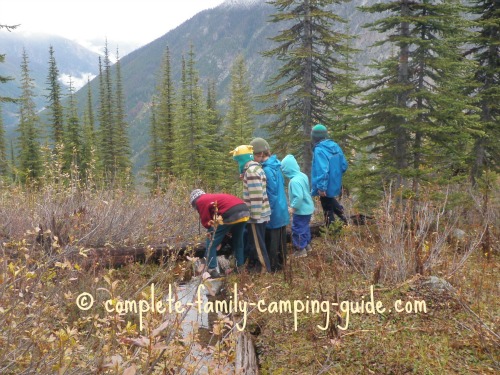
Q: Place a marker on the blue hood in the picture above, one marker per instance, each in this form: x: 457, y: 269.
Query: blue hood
x: 290, y: 167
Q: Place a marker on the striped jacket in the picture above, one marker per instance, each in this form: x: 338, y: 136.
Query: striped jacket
x: 255, y: 194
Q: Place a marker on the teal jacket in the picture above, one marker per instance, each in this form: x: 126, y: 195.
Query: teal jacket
x: 299, y: 193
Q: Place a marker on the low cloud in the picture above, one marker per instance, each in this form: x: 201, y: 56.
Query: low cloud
x: 77, y: 81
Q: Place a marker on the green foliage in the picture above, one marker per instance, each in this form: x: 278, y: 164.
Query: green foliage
x: 29, y: 159
x: 486, y: 52
x: 309, y: 50
x: 55, y: 106
x: 413, y: 115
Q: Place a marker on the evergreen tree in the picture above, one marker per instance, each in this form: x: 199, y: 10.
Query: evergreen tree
x: 191, y: 121
x: 240, y: 123
x: 4, y: 79
x: 240, y: 116
x: 89, y: 138
x: 414, y: 106
x: 73, y: 137
x: 308, y: 48
x: 123, y: 151
x: 3, y: 148
x: 28, y: 143
x: 55, y: 106
x: 216, y: 173
x: 486, y: 52
x: 165, y: 118
x: 155, y: 160
x: 107, y: 131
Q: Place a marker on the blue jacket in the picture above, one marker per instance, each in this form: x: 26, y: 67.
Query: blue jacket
x: 276, y: 193
x: 328, y: 166
x: 298, y: 188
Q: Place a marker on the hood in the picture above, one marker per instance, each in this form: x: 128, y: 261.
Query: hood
x: 272, y: 163
x: 328, y: 145
x: 289, y: 166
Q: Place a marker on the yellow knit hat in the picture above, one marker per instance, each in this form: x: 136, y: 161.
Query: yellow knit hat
x: 242, y: 150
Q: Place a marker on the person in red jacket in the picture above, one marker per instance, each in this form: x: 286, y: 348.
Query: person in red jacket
x: 221, y: 214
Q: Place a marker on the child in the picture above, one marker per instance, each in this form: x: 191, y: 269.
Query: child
x: 231, y: 214
x: 301, y: 205
x: 255, y: 196
x: 275, y: 186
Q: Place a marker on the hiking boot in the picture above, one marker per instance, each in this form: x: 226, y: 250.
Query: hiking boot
x: 309, y: 248
x: 300, y: 253
x: 214, y: 274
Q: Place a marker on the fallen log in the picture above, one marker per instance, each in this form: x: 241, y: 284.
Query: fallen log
x: 117, y: 256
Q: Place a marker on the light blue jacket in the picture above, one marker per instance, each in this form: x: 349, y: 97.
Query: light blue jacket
x: 276, y: 193
x: 328, y: 166
x: 298, y: 188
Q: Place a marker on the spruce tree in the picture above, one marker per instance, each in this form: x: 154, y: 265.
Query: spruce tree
x: 123, y: 150
x: 29, y: 157
x: 154, y: 167
x: 4, y: 79
x: 55, y: 106
x: 216, y: 174
x: 73, y: 137
x: 190, y: 146
x: 414, y: 106
x: 165, y: 118
x: 486, y: 52
x: 309, y: 48
x: 240, y: 118
x: 3, y: 148
x: 89, y: 139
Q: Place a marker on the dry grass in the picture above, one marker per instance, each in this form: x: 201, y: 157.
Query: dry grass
x: 44, y: 332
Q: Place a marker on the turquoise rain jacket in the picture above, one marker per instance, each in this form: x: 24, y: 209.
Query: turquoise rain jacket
x: 328, y: 166
x: 276, y: 193
x: 298, y: 188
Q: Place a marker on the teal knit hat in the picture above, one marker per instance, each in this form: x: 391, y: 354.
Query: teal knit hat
x: 319, y: 132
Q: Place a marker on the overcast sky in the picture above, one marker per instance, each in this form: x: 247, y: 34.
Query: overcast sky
x: 135, y: 21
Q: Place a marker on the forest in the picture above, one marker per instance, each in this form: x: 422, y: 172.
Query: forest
x: 420, y: 130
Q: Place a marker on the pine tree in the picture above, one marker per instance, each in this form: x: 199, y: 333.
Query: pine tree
x: 55, y: 106
x: 28, y: 143
x: 308, y: 48
x: 486, y: 52
x: 414, y: 111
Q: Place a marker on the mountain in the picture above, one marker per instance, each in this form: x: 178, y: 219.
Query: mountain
x: 72, y: 60
x: 218, y: 36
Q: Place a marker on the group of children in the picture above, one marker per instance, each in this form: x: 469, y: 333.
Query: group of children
x: 264, y: 212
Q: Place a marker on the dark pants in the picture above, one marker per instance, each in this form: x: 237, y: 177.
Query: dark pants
x: 301, y: 231
x: 276, y: 247
x: 236, y: 231
x: 257, y: 251
x: 332, y: 207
